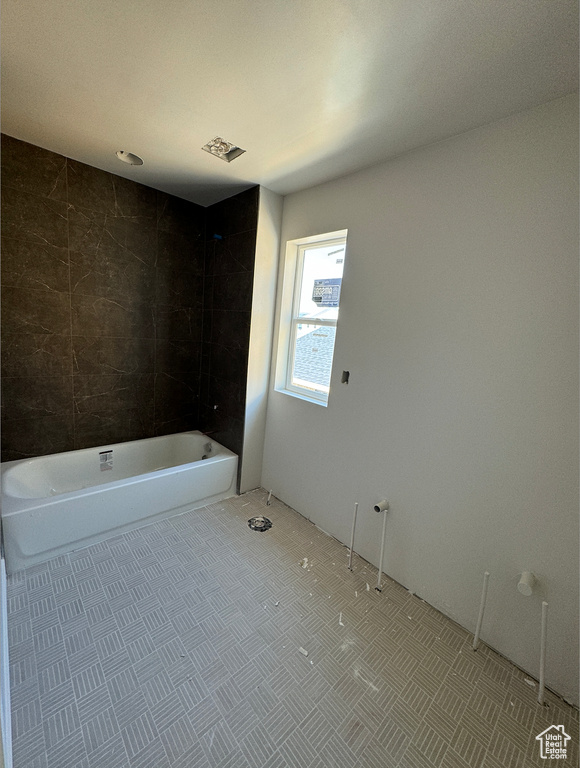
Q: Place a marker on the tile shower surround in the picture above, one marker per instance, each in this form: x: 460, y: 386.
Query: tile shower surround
x: 177, y: 646
x: 228, y: 285
x: 107, y: 314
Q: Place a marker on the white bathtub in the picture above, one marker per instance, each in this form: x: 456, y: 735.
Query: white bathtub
x: 54, y: 504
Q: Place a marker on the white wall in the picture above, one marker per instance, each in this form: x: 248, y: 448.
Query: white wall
x: 261, y: 328
x: 459, y: 325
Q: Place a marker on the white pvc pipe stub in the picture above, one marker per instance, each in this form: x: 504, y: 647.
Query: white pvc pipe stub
x: 481, y: 610
x: 526, y: 583
x: 382, y: 506
x: 352, y: 537
x: 543, y: 653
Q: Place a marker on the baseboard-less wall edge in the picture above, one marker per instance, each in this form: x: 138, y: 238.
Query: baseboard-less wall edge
x: 5, y: 722
x: 530, y: 675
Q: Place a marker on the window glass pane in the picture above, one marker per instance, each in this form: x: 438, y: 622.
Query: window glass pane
x: 321, y: 281
x: 313, y: 356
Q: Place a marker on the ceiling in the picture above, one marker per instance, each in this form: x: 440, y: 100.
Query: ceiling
x: 311, y: 89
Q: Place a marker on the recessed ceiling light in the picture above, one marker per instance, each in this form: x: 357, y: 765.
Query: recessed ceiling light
x: 223, y: 149
x: 129, y: 157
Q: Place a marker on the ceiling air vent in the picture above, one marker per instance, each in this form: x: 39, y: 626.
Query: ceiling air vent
x: 223, y: 149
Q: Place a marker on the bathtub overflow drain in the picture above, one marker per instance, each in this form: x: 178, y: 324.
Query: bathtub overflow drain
x: 259, y: 523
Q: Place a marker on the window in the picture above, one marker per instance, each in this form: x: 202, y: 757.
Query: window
x: 310, y: 305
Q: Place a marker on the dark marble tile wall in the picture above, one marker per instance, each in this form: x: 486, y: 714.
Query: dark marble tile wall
x: 229, y: 274
x: 102, y: 306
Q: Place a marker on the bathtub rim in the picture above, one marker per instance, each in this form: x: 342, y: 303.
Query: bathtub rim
x: 21, y: 553
x: 13, y: 504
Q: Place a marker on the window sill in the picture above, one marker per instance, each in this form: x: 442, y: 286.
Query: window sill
x: 301, y: 396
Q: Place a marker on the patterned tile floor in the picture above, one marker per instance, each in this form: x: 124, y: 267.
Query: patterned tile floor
x: 178, y: 646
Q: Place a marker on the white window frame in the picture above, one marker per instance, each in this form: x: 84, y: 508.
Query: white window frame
x: 290, y: 319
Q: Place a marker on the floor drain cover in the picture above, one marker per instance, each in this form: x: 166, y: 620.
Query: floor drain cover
x: 259, y: 523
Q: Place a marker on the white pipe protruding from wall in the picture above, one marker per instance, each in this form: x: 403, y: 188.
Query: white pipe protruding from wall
x: 269, y: 497
x: 481, y: 610
x: 526, y: 583
x: 543, y: 652
x: 352, y: 536
x: 382, y: 506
